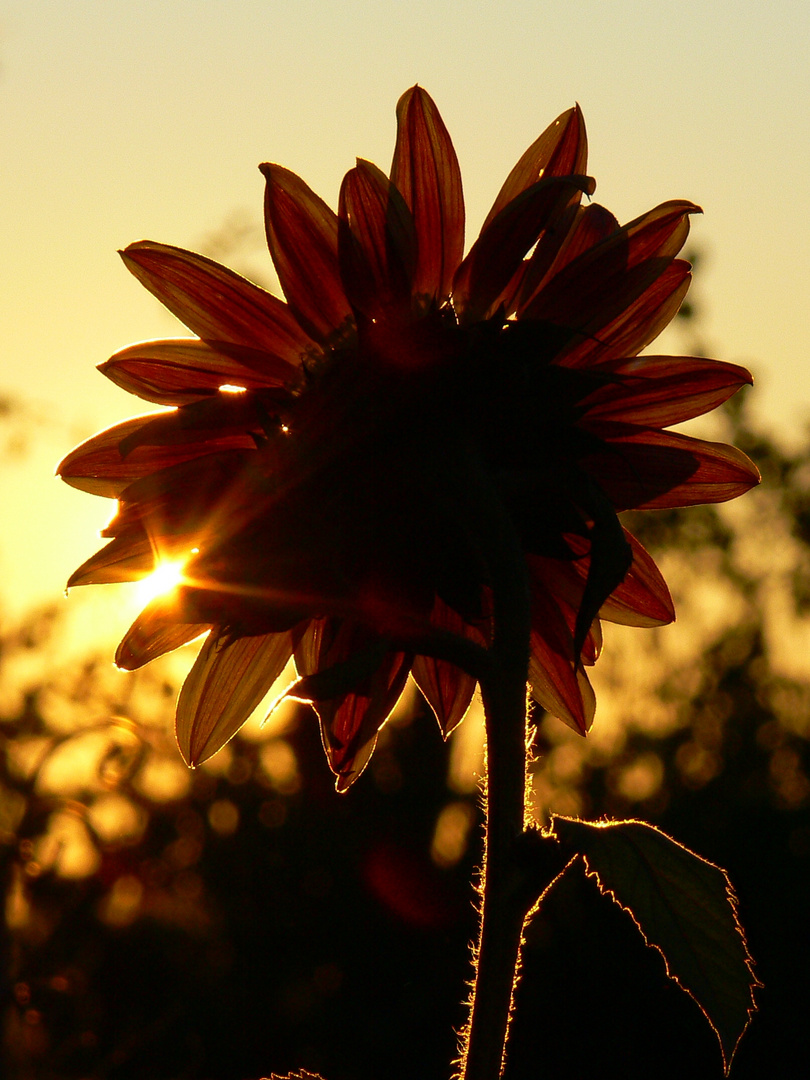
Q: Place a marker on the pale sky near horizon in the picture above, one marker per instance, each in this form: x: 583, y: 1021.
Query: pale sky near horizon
x: 128, y: 119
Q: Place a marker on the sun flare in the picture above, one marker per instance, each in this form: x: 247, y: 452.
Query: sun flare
x: 165, y: 577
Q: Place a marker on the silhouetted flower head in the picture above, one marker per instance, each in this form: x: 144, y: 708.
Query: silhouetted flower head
x: 314, y: 474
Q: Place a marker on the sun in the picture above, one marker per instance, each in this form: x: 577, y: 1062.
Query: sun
x: 164, y: 578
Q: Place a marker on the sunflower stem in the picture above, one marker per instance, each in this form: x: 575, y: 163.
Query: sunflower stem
x: 503, y: 688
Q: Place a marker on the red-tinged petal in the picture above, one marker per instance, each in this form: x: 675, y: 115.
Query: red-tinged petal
x: 576, y: 230
x: 350, y: 725
x: 558, y: 683
x: 593, y: 643
x: 353, y: 684
x: 639, y: 324
x: 494, y: 259
x: 229, y: 679
x: 642, y: 599
x: 658, y: 391
x: 98, y: 467
x: 376, y: 243
x: 561, y: 150
x: 648, y: 470
x: 215, y: 303
x: 447, y: 689
x: 158, y: 629
x: 186, y: 504
x: 426, y: 171
x: 593, y: 225
x: 302, y: 234
x: 222, y: 415
x: 561, y: 689
x: 181, y: 370
x: 595, y: 288
x: 123, y: 559
x: 563, y: 583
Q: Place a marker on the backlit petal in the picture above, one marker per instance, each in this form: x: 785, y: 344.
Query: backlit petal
x: 426, y: 171
x: 595, y: 288
x: 158, y: 629
x: 573, y: 232
x: 214, y: 302
x: 228, y: 680
x: 642, y: 598
x: 496, y: 255
x: 561, y: 150
x: 376, y: 244
x: 302, y: 234
x: 557, y: 684
x: 658, y: 391
x: 123, y: 559
x: 98, y: 466
x: 350, y: 719
x: 180, y: 370
x: 446, y: 688
x: 637, y: 325
x: 647, y: 470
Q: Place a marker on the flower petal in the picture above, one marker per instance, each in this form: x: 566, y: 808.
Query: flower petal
x: 496, y: 255
x: 645, y: 470
x: 99, y: 467
x: 561, y: 150
x: 229, y: 679
x: 573, y: 232
x: 214, y: 302
x: 447, y: 689
x: 221, y: 415
x: 126, y: 558
x: 560, y: 686
x: 158, y: 629
x: 425, y: 170
x: 635, y: 327
x: 376, y: 244
x: 330, y: 652
x: 181, y: 370
x: 302, y: 234
x: 595, y: 288
x: 641, y: 599
x: 657, y: 391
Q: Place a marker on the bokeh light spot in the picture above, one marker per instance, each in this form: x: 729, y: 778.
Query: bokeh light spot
x: 223, y: 817
x: 452, y: 832
x: 122, y: 904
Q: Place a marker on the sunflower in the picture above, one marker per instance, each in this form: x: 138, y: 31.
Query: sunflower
x: 320, y: 475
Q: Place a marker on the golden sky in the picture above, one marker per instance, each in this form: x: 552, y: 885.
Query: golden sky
x: 140, y: 119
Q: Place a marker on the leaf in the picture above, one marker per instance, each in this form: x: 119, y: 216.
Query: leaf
x: 684, y: 906
x: 300, y: 1075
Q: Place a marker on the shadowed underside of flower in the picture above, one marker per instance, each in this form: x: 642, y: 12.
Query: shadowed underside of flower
x: 317, y: 472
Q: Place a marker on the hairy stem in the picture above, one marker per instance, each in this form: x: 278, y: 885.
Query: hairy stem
x: 503, y: 905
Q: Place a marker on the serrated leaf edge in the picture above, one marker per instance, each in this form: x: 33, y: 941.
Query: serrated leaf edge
x: 731, y: 897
